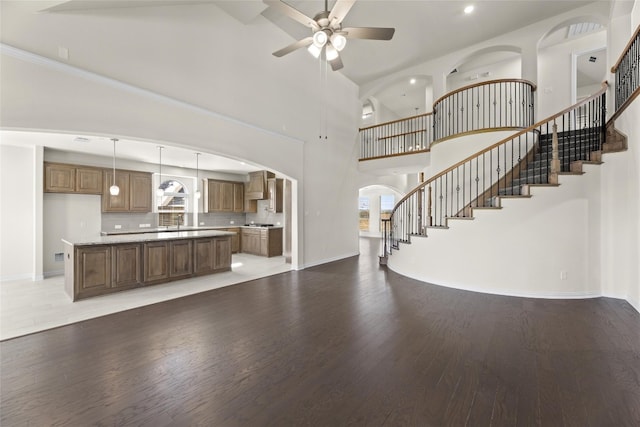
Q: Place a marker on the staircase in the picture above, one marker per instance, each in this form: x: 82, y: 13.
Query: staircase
x: 581, y: 145
x: 534, y: 156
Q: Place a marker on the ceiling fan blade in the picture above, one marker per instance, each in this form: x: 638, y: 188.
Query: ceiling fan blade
x: 340, y: 10
x: 293, y: 13
x: 297, y: 45
x: 336, y: 64
x: 369, y: 33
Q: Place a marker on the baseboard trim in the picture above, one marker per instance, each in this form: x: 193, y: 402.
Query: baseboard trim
x: 328, y: 260
x: 633, y: 303
x: 16, y: 277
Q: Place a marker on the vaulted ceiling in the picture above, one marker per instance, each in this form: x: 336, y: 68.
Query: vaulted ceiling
x: 425, y: 29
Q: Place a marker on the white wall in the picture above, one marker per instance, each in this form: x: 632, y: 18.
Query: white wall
x: 554, y: 72
x: 508, y: 69
x: 17, y: 212
x: 449, y: 152
x: 68, y: 216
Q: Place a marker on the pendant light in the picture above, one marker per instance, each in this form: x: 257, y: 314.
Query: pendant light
x: 197, y: 192
x: 160, y: 191
x: 114, y: 190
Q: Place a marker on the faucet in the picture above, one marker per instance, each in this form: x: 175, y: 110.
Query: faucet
x: 178, y: 221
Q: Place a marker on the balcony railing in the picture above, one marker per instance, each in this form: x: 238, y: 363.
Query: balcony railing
x: 404, y: 136
x: 496, y: 105
x: 534, y: 155
x: 627, y: 71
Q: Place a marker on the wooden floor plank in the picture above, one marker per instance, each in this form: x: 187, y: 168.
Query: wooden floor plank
x: 344, y: 343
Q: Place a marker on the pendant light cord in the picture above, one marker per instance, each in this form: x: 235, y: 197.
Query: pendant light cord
x: 114, y: 160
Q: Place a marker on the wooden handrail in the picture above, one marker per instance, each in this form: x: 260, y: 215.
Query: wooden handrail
x: 395, y: 121
x: 401, y: 134
x: 406, y: 153
x: 488, y: 82
x: 625, y: 50
x: 502, y: 141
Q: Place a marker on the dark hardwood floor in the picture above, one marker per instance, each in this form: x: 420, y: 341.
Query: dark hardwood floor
x: 345, y: 343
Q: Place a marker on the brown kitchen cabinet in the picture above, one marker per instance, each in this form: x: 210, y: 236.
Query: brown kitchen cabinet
x: 93, y: 270
x: 180, y: 258
x: 250, y: 205
x: 257, y: 186
x: 225, y: 196
x: 156, y: 261
x: 141, y: 192
x: 250, y: 241
x: 65, y: 178
x: 275, y: 186
x: 127, y: 265
x: 136, y: 192
x: 204, y: 256
x: 235, y: 239
x: 88, y: 180
x: 222, y: 254
x: 98, y: 269
x: 211, y: 255
x: 263, y: 241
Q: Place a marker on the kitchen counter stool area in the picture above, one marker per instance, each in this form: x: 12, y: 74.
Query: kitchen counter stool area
x: 108, y: 264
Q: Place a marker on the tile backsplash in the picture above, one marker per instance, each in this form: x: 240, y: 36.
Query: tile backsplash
x: 220, y: 219
x: 128, y: 221
x: 132, y: 221
x: 265, y: 217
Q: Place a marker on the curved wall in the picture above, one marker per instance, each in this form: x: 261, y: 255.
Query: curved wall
x: 544, y: 246
x: 449, y: 152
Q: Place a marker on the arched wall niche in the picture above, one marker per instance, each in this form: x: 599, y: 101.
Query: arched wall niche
x: 490, y: 63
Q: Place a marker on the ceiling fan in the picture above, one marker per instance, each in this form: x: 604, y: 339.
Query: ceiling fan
x: 328, y: 37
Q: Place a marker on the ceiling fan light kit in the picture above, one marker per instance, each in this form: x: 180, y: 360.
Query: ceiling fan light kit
x: 328, y: 35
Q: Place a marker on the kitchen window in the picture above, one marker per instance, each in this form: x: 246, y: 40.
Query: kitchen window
x: 173, y: 204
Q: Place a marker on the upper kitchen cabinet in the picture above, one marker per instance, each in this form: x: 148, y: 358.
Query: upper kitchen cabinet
x: 250, y: 205
x: 64, y: 178
x: 274, y: 186
x: 135, y: 192
x: 141, y: 192
x: 257, y: 188
x: 88, y: 180
x: 225, y: 196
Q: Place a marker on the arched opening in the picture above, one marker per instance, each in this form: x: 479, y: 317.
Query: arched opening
x: 375, y: 203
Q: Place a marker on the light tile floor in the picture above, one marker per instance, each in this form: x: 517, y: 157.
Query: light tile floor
x: 30, y: 306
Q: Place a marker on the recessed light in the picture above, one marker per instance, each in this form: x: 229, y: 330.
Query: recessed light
x: 81, y: 139
x: 412, y: 81
x: 468, y: 9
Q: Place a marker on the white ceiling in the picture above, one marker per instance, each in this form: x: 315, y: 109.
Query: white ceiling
x: 140, y: 151
x: 425, y: 29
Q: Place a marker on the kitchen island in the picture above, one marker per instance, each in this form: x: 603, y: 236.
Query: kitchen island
x: 106, y: 264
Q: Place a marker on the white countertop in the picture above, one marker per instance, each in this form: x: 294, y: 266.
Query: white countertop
x: 145, y: 237
x: 176, y: 230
